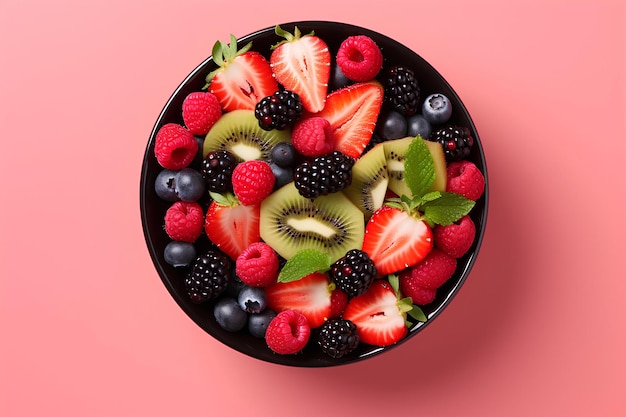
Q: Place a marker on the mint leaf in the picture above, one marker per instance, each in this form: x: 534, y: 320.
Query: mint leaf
x: 417, y: 314
x: 419, y: 168
x: 446, y: 209
x: 303, y: 263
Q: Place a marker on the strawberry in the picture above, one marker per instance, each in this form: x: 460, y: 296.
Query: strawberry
x: 301, y: 63
x: 379, y: 314
x: 231, y: 226
x: 309, y: 295
x: 352, y: 112
x: 396, y: 239
x: 243, y: 77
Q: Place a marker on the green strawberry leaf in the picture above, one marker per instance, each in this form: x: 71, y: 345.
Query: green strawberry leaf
x: 227, y: 199
x: 419, y: 168
x: 446, y: 209
x: 303, y: 263
x: 417, y: 314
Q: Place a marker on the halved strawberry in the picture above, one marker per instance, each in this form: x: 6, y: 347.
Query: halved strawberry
x: 352, y: 112
x: 301, y: 63
x: 231, y: 226
x: 243, y: 78
x: 309, y: 295
x: 395, y: 239
x: 379, y: 314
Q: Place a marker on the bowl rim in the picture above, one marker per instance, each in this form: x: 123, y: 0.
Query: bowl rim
x: 291, y: 360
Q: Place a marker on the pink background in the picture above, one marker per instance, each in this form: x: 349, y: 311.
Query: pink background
x: 88, y: 329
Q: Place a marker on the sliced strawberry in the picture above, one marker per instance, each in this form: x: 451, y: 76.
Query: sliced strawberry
x: 379, y: 315
x: 243, y: 77
x: 395, y: 239
x: 309, y: 295
x: 352, y: 112
x: 231, y: 226
x: 302, y: 64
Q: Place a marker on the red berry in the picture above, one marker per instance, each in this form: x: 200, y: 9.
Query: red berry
x: 359, y: 58
x: 184, y: 221
x: 313, y: 137
x: 288, y: 332
x: 257, y: 265
x: 200, y: 112
x: 465, y: 178
x: 338, y: 303
x: 419, y: 295
x: 457, y: 238
x: 433, y: 271
x: 253, y: 181
x: 174, y: 146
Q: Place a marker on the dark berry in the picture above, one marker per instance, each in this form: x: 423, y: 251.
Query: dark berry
x: 337, y: 337
x: 283, y: 154
x: 402, y: 91
x: 324, y: 175
x: 189, y: 184
x: 391, y: 124
x: 164, y: 185
x: 217, y: 170
x: 252, y: 299
x: 437, y: 108
x: 228, y: 314
x: 418, y: 125
x: 283, y: 175
x: 235, y: 285
x: 337, y: 79
x: 353, y: 273
x: 457, y: 141
x: 179, y: 254
x: 257, y: 323
x: 209, y: 276
x: 278, y: 111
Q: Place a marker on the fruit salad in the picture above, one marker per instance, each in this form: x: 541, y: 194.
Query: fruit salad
x: 315, y: 198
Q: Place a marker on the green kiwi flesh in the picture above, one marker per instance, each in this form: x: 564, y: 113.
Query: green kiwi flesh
x: 330, y: 224
x: 395, y: 151
x: 238, y: 132
x: 369, y: 181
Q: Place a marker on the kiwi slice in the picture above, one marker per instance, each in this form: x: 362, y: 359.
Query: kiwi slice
x: 395, y: 151
x: 238, y: 131
x: 330, y: 224
x: 369, y: 181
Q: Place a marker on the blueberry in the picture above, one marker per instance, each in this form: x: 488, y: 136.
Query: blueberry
x: 418, y: 125
x: 283, y: 154
x: 392, y: 125
x: 189, y: 184
x: 338, y: 79
x: 252, y: 299
x: 284, y: 175
x: 437, y: 108
x: 228, y: 314
x: 257, y: 323
x: 235, y: 285
x: 197, y: 161
x: 179, y: 254
x: 164, y: 185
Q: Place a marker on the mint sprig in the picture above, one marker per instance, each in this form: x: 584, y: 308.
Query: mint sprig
x: 303, y: 263
x: 419, y: 167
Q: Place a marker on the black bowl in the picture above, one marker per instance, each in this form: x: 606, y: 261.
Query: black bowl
x: 153, y: 208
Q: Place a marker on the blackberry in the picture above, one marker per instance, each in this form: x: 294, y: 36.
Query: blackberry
x: 278, y: 111
x: 337, y: 337
x: 217, y: 170
x: 457, y: 141
x: 354, y: 273
x: 208, y: 277
x: 402, y: 90
x: 323, y: 175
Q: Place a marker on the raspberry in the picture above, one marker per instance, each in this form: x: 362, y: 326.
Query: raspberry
x: 184, y: 221
x: 174, y: 146
x: 200, y: 112
x: 313, y: 137
x: 253, y: 181
x: 457, y: 238
x: 288, y: 332
x: 433, y: 271
x: 338, y: 303
x: 465, y: 178
x: 359, y: 58
x: 419, y: 295
x: 257, y: 265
